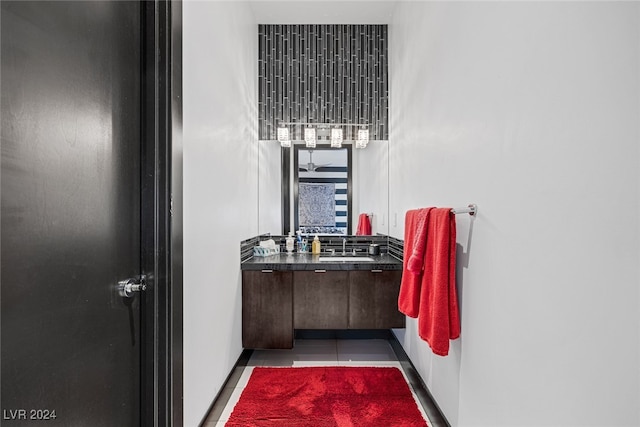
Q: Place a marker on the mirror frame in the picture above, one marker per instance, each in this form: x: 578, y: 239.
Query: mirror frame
x: 289, y: 181
x: 285, y: 205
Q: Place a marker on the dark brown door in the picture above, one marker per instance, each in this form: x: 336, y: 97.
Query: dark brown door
x: 373, y: 299
x: 267, y: 309
x: 71, y: 124
x: 320, y: 299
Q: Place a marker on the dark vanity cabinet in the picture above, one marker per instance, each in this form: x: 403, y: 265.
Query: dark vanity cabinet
x: 267, y: 312
x: 320, y: 299
x: 373, y: 299
x: 275, y: 303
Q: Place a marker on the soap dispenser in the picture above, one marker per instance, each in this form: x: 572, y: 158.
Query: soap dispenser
x: 290, y: 242
x: 315, y: 246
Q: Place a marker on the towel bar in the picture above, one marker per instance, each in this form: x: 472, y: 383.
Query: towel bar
x: 471, y: 210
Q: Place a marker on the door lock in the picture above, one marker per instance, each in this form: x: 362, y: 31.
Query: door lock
x: 127, y: 288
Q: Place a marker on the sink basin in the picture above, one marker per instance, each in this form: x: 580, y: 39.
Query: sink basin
x: 346, y: 258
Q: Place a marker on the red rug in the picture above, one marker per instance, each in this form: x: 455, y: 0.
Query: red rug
x: 326, y: 396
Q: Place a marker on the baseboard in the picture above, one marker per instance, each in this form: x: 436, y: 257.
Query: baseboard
x: 435, y: 414
x: 221, y: 399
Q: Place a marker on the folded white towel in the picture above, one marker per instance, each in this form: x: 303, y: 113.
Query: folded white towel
x: 269, y: 244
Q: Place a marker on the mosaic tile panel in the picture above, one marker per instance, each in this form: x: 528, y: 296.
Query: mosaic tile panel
x: 323, y: 74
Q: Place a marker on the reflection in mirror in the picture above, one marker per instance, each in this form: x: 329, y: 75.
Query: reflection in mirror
x: 371, y: 186
x: 276, y: 182
x: 322, y: 190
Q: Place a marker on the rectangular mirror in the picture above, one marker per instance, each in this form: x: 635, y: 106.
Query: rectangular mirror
x: 357, y: 178
x: 322, y: 190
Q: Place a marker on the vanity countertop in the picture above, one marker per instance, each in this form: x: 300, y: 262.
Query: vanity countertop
x: 297, y: 261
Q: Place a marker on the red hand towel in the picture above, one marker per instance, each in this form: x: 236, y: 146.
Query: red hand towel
x: 364, y: 225
x: 415, y: 263
x: 439, y: 320
x: 409, y: 296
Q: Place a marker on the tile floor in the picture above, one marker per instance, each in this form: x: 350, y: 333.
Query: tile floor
x: 323, y: 352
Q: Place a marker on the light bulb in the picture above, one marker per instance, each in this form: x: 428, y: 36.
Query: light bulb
x: 310, y: 137
x: 363, y: 138
x: 336, y: 137
x: 283, y: 134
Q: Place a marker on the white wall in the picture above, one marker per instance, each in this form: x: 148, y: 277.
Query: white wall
x: 270, y: 187
x: 220, y: 189
x: 531, y: 110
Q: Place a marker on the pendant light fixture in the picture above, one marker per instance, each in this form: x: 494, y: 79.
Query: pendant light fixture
x: 283, y: 136
x: 331, y: 133
x: 310, y: 136
x: 336, y: 137
x: 363, y: 138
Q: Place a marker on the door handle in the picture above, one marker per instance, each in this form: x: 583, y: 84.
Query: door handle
x: 127, y: 288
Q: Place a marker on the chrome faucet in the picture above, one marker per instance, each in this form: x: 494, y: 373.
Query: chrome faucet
x: 344, y: 246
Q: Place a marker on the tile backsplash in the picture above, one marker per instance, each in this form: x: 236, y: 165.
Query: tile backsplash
x: 388, y: 244
x: 323, y: 74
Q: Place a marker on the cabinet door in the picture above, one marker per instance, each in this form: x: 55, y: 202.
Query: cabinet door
x: 267, y: 314
x: 320, y: 299
x: 373, y: 300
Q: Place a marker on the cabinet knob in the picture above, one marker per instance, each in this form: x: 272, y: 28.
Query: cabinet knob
x: 376, y: 271
x: 320, y: 271
x: 267, y: 271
